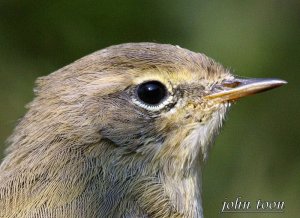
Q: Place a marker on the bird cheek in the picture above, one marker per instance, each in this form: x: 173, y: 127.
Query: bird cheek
x: 177, y: 119
x: 196, y: 113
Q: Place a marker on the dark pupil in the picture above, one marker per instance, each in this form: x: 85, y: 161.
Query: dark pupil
x: 152, y: 92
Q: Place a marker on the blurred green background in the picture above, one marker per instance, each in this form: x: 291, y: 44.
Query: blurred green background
x: 257, y: 155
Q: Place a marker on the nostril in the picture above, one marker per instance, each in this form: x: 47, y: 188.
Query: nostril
x: 231, y: 84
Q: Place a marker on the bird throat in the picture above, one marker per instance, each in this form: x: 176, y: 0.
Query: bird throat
x: 182, y: 176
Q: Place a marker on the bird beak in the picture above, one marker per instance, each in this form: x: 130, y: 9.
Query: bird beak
x: 236, y: 88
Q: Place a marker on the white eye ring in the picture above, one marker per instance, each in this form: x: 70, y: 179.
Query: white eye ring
x: 158, y: 107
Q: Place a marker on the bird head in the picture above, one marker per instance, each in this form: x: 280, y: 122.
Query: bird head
x: 137, y: 110
x: 160, y: 104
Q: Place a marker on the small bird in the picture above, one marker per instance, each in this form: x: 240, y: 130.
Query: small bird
x: 122, y: 132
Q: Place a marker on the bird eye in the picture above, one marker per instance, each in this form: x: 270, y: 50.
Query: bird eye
x: 151, y: 92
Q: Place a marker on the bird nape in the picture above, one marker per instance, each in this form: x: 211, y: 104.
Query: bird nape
x: 122, y: 132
